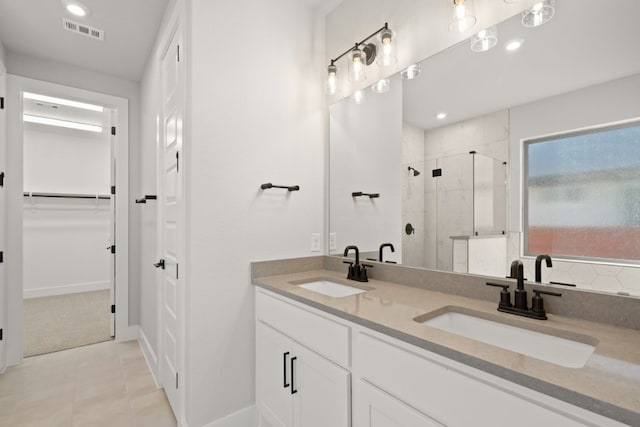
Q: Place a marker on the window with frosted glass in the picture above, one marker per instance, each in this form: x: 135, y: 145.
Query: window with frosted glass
x: 582, y: 195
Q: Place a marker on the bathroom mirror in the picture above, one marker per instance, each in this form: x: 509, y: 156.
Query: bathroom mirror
x: 447, y: 190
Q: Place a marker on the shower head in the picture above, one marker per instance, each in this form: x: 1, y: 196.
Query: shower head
x: 415, y: 172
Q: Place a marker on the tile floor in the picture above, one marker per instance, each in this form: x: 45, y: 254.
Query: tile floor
x: 105, y: 384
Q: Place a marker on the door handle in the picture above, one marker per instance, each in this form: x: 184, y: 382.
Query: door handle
x: 293, y: 389
x: 284, y: 365
x: 159, y: 264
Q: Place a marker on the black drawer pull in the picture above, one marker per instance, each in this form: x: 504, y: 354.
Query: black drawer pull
x: 284, y: 368
x: 293, y: 381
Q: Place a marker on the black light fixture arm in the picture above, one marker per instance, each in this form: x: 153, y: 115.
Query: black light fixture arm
x: 358, y: 44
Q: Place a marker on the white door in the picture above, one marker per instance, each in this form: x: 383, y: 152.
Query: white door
x: 273, y: 377
x: 322, y: 391
x: 375, y: 408
x: 170, y: 208
x: 3, y: 212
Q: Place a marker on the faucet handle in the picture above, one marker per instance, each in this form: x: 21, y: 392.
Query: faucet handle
x: 554, y: 294
x: 348, y: 262
x: 537, y: 303
x: 505, y: 296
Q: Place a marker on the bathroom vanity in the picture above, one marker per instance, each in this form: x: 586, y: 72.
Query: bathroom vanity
x: 382, y: 353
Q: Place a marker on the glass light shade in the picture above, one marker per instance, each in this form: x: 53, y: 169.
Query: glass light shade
x: 381, y: 86
x: 332, y: 79
x: 463, y: 17
x: 484, y: 40
x: 539, y: 14
x: 357, y: 65
x: 359, y: 97
x: 411, y: 72
x: 387, y: 52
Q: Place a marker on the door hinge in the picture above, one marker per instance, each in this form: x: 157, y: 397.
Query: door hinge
x: 176, y: 380
x: 1, y: 102
x: 436, y: 172
x: 178, y: 56
x: 177, y: 265
x: 1, y: 257
x: 113, y: 308
x: 177, y: 161
x: 113, y: 130
x: 113, y: 189
x: 113, y: 249
x: 1, y: 179
x: 1, y: 334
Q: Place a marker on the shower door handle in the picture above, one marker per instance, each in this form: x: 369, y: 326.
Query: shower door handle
x: 159, y: 264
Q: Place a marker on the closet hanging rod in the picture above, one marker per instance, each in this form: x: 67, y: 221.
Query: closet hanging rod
x: 69, y: 196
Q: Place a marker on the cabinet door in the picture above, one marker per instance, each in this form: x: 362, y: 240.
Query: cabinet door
x: 273, y: 378
x: 322, y: 392
x: 375, y: 408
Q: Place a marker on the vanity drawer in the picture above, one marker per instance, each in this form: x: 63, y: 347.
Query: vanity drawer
x: 315, y: 331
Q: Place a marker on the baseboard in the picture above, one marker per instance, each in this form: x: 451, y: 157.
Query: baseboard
x: 128, y: 334
x: 149, y: 355
x: 247, y: 417
x: 66, y: 289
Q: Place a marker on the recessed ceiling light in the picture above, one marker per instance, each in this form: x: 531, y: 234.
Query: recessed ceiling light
x: 62, y: 101
x: 441, y: 116
x: 61, y: 123
x: 75, y: 8
x: 513, y: 45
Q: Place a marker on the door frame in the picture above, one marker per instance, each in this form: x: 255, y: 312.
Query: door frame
x: 16, y: 85
x: 3, y: 222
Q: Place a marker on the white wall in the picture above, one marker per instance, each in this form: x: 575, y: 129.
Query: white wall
x: 27, y: 66
x: 65, y: 239
x: 3, y: 59
x: 256, y: 116
x: 421, y: 29
x: 366, y: 155
x: 596, y: 105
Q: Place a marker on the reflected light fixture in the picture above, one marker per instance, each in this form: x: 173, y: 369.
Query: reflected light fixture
x: 539, y: 14
x: 514, y: 45
x: 484, y: 40
x: 441, y: 116
x: 62, y: 101
x: 359, y: 97
x: 411, y: 72
x: 381, y: 86
x: 61, y: 123
x: 463, y: 18
x: 361, y: 55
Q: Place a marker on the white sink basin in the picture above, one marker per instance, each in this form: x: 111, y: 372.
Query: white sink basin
x: 550, y: 348
x: 331, y: 289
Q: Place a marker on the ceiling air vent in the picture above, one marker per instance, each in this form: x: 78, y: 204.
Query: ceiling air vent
x: 85, y: 30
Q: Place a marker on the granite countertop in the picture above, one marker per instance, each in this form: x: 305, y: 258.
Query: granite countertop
x: 609, y: 384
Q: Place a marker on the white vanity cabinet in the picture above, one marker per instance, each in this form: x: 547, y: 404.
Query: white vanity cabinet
x: 296, y: 386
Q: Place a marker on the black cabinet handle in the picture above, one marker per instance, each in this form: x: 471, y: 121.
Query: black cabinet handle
x: 293, y: 381
x: 159, y: 264
x: 284, y: 368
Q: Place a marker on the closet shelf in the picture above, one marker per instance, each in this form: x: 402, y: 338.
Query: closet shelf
x: 69, y: 196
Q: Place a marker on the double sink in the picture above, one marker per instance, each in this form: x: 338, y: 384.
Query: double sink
x: 551, y: 345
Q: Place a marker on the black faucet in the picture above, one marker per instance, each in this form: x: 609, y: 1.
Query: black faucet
x: 382, y: 246
x: 521, y: 307
x: 356, y: 271
x: 539, y: 259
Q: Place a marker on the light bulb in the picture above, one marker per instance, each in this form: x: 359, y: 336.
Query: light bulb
x: 484, y: 40
x: 357, y: 65
x: 539, y: 14
x: 332, y: 79
x: 387, y: 51
x: 463, y: 18
x: 381, y: 86
x: 75, y: 7
x: 359, y: 97
x: 411, y: 72
x: 514, y: 45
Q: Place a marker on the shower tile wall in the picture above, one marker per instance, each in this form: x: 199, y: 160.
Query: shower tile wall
x: 444, y: 147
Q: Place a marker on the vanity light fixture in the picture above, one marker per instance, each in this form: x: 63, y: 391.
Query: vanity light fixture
x: 359, y: 97
x: 484, y: 40
x: 441, y: 116
x: 381, y: 86
x: 514, y: 45
x: 411, y: 72
x: 463, y: 18
x: 361, y: 55
x: 539, y: 14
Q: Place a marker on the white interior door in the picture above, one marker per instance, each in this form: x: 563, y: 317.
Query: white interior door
x: 170, y: 206
x: 3, y: 212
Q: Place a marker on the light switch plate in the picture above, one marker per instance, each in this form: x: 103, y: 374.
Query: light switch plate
x: 333, y: 242
x: 315, y: 242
